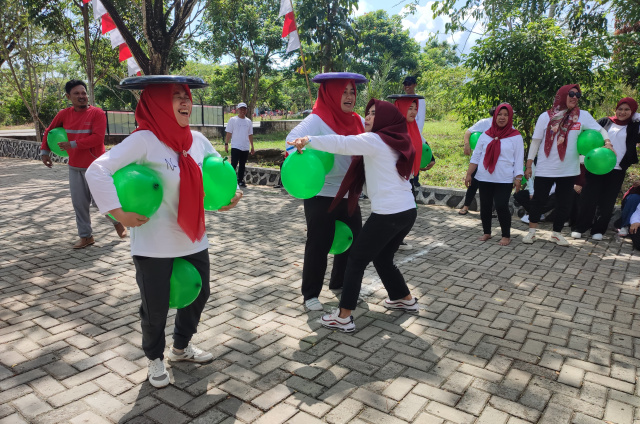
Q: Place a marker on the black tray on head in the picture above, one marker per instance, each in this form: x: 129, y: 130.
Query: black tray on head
x: 404, y: 96
x: 139, y: 83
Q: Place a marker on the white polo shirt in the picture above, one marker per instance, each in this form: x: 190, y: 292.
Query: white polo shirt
x: 240, y: 130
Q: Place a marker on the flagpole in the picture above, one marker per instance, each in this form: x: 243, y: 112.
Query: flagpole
x: 304, y: 65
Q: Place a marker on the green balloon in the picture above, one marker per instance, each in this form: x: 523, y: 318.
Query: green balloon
x: 326, y: 158
x: 589, y: 140
x: 427, y: 155
x: 473, y: 139
x: 185, y: 284
x: 220, y: 182
x: 55, y: 136
x: 139, y: 189
x: 600, y: 161
x: 342, y: 239
x: 302, y: 175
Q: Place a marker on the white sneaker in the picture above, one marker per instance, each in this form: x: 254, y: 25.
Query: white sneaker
x: 541, y: 217
x: 623, y: 232
x: 191, y: 353
x: 525, y: 219
x: 313, y: 304
x: 346, y: 325
x: 596, y: 237
x: 529, y: 238
x: 576, y: 235
x: 402, y: 305
x: 559, y: 239
x: 566, y: 224
x: 158, y: 375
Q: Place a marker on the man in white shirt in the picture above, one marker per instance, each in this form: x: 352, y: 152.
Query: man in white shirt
x: 240, y: 133
x: 409, y: 83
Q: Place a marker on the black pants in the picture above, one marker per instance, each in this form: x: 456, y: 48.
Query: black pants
x: 239, y: 157
x: 152, y: 276
x: 523, y: 197
x: 471, y: 190
x: 601, y: 192
x: 321, y: 225
x: 564, y: 199
x: 378, y: 242
x: 498, y: 194
x: 635, y: 238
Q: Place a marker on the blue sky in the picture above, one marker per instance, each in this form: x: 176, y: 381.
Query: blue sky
x: 421, y: 24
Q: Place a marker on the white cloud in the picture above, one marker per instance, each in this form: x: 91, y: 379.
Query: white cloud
x: 363, y: 7
x: 422, y: 25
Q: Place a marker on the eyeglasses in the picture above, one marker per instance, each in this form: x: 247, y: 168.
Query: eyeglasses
x: 575, y: 94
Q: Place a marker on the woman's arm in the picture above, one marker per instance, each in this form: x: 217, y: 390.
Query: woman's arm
x: 359, y: 145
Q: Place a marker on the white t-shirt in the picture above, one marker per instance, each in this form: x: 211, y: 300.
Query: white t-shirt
x: 314, y: 125
x: 552, y: 166
x: 482, y: 125
x: 388, y: 191
x: 635, y: 217
x: 161, y: 236
x: 422, y: 110
x: 240, y: 130
x: 509, y: 163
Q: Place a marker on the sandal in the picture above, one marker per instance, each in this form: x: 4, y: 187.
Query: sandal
x: 463, y: 211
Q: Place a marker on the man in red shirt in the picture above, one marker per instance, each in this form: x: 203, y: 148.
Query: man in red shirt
x: 85, y: 126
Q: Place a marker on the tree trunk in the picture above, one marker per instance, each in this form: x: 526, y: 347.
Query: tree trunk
x: 88, y: 56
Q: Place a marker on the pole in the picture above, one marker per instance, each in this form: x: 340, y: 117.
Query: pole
x: 306, y: 75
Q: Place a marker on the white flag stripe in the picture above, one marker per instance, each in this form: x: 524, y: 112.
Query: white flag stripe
x: 294, y: 41
x: 132, y: 67
x: 116, y: 38
x: 98, y: 9
x: 285, y: 7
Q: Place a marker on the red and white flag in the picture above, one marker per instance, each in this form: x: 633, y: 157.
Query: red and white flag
x: 289, y: 29
x: 117, y: 40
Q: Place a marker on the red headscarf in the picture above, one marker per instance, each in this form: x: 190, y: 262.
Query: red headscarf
x: 492, y: 153
x: 634, y: 108
x: 561, y: 120
x: 391, y: 126
x: 403, y: 105
x: 328, y: 108
x: 155, y: 113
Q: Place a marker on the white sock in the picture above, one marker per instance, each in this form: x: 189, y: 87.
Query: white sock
x: 532, y: 230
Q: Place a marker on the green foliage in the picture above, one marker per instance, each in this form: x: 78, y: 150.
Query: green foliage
x: 325, y: 30
x: 379, y: 37
x: 380, y: 85
x: 525, y: 67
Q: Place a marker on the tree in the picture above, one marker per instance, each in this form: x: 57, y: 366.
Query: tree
x: 324, y: 25
x: 250, y: 33
x: 525, y: 67
x: 626, y: 40
x: 377, y: 38
x: 163, y: 25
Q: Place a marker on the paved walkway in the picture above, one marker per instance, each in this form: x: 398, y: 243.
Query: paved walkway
x: 510, y: 335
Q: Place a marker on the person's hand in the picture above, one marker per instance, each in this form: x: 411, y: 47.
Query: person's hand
x: 518, y: 184
x: 234, y: 201
x: 299, y: 143
x: 46, y: 159
x: 253, y: 151
x: 577, y: 188
x: 527, y: 173
x: 609, y: 145
x: 634, y: 227
x: 226, y: 148
x: 65, y: 145
x: 129, y: 219
x: 430, y: 165
x: 467, y: 150
x: 467, y: 180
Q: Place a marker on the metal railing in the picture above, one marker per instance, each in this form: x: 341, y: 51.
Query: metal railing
x: 120, y: 122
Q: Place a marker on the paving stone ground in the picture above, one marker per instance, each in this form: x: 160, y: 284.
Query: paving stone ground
x: 518, y: 334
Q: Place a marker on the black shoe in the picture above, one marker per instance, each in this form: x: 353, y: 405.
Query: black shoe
x: 241, y: 184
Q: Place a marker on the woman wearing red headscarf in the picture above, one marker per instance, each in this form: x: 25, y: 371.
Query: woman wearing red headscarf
x: 498, y: 158
x: 408, y: 107
x: 601, y: 191
x: 384, y: 158
x: 332, y: 114
x: 555, y: 142
x: 164, y: 143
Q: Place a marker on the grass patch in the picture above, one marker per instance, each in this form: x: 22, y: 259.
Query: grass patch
x: 447, y: 142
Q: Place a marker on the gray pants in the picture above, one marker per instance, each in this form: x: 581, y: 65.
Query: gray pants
x: 81, y: 201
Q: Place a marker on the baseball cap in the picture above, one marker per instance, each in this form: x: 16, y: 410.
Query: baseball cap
x: 241, y: 104
x: 409, y: 80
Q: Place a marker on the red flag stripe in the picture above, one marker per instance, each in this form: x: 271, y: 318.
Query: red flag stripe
x: 86, y: 1
x: 289, y: 24
x: 125, y: 53
x: 107, y: 24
